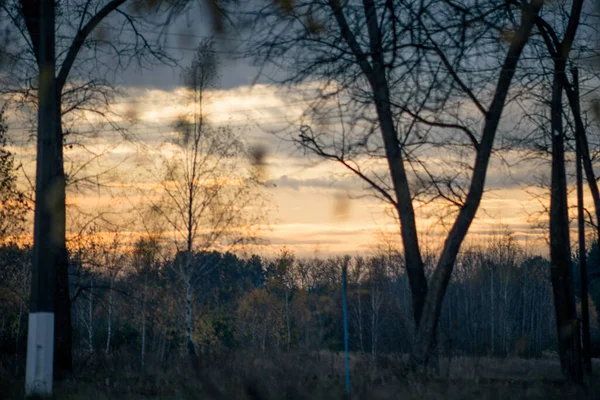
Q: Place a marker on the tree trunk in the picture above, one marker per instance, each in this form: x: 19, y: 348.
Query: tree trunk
x: 562, y: 280
x: 373, y: 324
x: 18, y: 335
x: 264, y: 339
x: 163, y: 348
x: 441, y: 277
x: 41, y: 343
x: 189, y: 324
x: 585, y: 315
x: 505, y: 316
x: 360, y: 329
x: 109, y: 328
x: 560, y: 250
x: 90, y: 322
x: 63, y: 329
x: 492, y: 312
x: 377, y: 77
x: 143, y: 349
x: 287, y: 318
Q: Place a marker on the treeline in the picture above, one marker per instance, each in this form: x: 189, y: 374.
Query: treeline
x: 499, y: 303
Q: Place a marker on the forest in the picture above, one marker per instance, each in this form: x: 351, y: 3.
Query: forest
x: 499, y: 303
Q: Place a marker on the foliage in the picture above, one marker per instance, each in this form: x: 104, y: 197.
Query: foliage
x: 499, y: 302
x: 13, y: 202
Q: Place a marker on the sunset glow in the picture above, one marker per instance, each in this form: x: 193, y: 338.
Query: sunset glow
x: 304, y: 192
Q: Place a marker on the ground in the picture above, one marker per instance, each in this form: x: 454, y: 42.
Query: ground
x: 316, y: 376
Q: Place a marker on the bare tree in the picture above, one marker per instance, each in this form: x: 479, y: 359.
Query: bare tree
x: 209, y: 199
x: 407, y: 70
x: 560, y: 250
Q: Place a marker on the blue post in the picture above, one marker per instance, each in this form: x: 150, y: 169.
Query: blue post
x: 345, y: 308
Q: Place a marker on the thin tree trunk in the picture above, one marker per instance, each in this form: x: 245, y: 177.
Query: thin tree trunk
x: 585, y: 316
x: 373, y: 324
x: 108, y: 334
x: 18, y: 336
x: 90, y: 320
x: 287, y: 317
x: 505, y: 319
x: 532, y: 327
x: 264, y: 339
x: 492, y: 313
x: 143, y: 349
x: 143, y: 339
x: 189, y: 324
x: 163, y: 349
x: 360, y: 329
x: 523, y: 296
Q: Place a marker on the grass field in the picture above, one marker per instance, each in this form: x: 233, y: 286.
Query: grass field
x: 317, y: 376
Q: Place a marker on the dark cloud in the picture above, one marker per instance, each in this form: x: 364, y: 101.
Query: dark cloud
x: 234, y: 73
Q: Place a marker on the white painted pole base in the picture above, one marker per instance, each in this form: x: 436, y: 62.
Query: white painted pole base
x: 40, y: 354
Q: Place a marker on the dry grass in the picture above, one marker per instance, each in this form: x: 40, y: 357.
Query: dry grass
x: 315, y: 376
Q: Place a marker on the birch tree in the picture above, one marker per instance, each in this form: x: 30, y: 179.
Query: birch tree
x: 145, y: 262
x: 209, y: 197
x: 114, y: 261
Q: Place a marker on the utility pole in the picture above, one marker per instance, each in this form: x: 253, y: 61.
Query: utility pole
x: 40, y: 340
x: 585, y: 316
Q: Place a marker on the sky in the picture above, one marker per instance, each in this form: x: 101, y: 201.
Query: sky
x: 315, y: 206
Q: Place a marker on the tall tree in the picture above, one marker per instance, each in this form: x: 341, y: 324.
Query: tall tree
x: 408, y: 71
x: 48, y: 348
x: 54, y: 61
x: 568, y: 331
